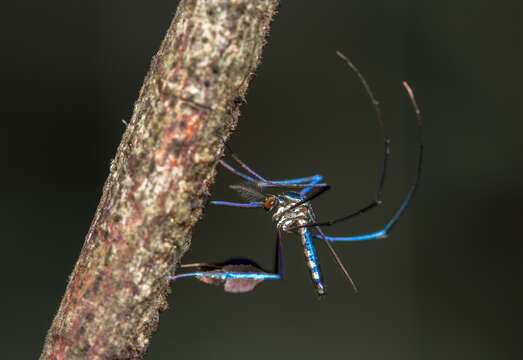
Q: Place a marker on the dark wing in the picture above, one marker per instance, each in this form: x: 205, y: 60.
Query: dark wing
x: 249, y: 192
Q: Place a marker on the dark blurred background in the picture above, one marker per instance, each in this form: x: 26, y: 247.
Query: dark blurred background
x: 447, y: 283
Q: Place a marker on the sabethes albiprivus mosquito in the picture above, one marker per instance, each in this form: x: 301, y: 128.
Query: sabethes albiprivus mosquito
x: 292, y: 212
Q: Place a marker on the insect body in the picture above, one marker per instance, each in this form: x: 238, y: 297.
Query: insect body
x: 292, y: 213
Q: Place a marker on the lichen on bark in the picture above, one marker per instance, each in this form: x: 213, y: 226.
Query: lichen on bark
x: 159, y: 180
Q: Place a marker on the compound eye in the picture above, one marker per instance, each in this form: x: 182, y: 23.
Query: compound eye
x: 269, y: 203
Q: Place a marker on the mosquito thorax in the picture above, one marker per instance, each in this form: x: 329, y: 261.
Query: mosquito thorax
x: 289, y: 211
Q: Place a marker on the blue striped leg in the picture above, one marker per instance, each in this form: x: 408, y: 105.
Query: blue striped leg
x: 306, y: 182
x: 255, y: 204
x: 315, y: 179
x: 236, y: 275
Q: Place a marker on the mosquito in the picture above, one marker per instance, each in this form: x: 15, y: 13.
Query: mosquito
x: 292, y: 213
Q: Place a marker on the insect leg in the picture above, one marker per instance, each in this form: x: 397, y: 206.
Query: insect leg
x: 377, y: 197
x: 254, y: 204
x: 306, y: 182
x: 337, y: 259
x: 383, y: 232
x: 236, y: 275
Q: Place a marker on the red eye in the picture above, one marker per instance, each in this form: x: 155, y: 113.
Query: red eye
x: 269, y: 203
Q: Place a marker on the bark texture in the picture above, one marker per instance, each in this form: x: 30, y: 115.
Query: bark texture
x: 159, y: 180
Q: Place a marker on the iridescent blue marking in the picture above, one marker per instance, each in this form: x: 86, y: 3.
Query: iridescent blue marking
x: 312, y: 261
x: 315, y: 180
x: 228, y: 275
x: 262, y: 182
x: 294, y: 196
x: 378, y: 234
x: 402, y: 207
x: 255, y: 204
x: 305, y: 180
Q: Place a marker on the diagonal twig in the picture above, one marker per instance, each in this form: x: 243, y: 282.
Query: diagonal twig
x: 159, y: 180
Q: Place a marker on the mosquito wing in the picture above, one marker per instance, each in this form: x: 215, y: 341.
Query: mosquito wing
x: 249, y: 192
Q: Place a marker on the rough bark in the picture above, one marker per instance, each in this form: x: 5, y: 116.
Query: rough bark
x: 159, y: 180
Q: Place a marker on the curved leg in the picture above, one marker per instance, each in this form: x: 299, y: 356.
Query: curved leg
x: 374, y: 203
x: 383, y: 232
x: 376, y: 235
x: 377, y: 197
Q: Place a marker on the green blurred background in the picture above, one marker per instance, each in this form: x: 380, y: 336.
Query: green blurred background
x: 447, y: 283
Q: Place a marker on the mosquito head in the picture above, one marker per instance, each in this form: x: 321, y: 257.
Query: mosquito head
x: 270, y: 203
x: 275, y: 201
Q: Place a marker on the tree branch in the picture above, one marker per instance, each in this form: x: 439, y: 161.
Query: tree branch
x: 159, y: 180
